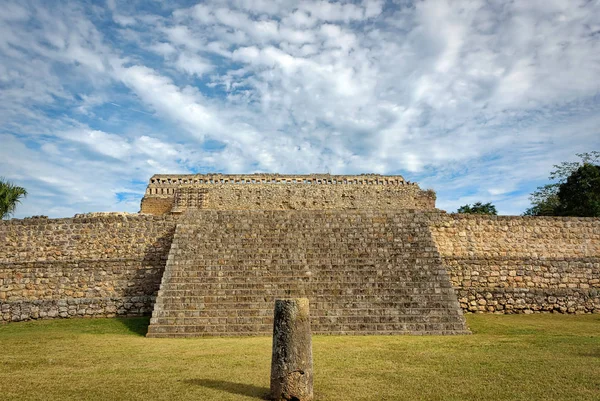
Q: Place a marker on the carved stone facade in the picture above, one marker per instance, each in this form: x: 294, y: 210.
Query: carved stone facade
x: 178, y: 193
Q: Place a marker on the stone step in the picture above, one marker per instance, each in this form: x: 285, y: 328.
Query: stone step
x: 359, y: 331
x: 313, y: 275
x: 342, y: 299
x: 241, y: 309
x: 408, y: 293
x: 158, y: 331
x: 305, y: 283
x: 294, y: 266
x: 201, y: 324
x: 375, y: 315
x: 235, y: 312
x: 214, y: 278
x: 398, y: 325
x: 259, y: 305
x: 363, y: 271
x: 263, y: 307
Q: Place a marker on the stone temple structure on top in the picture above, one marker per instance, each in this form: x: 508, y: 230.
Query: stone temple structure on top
x: 177, y: 193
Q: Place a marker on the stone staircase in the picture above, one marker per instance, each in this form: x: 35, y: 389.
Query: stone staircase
x: 364, y: 272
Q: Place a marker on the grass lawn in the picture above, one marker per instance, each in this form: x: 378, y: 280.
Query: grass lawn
x: 516, y: 357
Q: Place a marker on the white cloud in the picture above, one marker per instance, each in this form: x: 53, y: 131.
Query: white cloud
x: 181, y: 35
x: 163, y: 48
x: 184, y: 106
x: 193, y: 64
x: 124, y: 20
x: 101, y: 142
x: 14, y: 12
x: 333, y: 11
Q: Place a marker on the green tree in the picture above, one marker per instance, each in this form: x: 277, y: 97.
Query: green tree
x: 478, y: 208
x: 580, y: 194
x: 10, y: 196
x: 545, y: 200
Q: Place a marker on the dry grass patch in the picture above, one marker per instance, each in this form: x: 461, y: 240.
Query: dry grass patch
x: 533, y: 357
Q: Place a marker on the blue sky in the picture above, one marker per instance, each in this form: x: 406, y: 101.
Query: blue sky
x: 476, y: 100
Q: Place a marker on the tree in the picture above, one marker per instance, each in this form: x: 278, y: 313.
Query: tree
x: 10, y: 196
x: 580, y: 195
x: 545, y: 200
x: 478, y: 208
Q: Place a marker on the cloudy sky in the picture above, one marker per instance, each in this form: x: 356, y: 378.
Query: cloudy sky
x: 475, y: 99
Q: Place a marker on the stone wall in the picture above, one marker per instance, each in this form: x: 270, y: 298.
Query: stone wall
x: 509, y: 264
x: 276, y: 192
x: 103, y: 265
x: 107, y: 265
x: 156, y: 205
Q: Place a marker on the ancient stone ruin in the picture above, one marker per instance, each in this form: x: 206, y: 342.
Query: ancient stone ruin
x: 209, y: 254
x: 177, y: 193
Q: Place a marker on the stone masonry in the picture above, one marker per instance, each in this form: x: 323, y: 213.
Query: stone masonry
x: 364, y: 272
x: 511, y: 264
x: 371, y: 253
x: 178, y: 193
x: 103, y: 266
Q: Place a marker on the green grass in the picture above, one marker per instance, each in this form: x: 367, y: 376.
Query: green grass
x: 518, y: 357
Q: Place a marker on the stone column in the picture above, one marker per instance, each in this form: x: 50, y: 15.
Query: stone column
x: 291, y: 364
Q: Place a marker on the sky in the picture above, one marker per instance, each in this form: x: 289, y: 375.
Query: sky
x: 474, y: 99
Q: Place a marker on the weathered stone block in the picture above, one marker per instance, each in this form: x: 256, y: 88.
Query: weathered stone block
x: 291, y: 362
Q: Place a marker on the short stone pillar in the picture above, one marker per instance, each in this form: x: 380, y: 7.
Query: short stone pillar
x: 291, y: 364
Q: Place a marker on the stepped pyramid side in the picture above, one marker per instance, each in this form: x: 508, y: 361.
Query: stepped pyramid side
x: 364, y: 272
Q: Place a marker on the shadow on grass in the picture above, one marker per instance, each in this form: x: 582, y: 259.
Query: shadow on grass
x: 591, y: 354
x: 136, y: 325
x: 248, y: 390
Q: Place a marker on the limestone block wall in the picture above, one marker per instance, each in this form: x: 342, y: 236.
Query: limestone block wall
x: 510, y: 264
x: 156, y: 205
x: 104, y: 265
x: 276, y: 192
